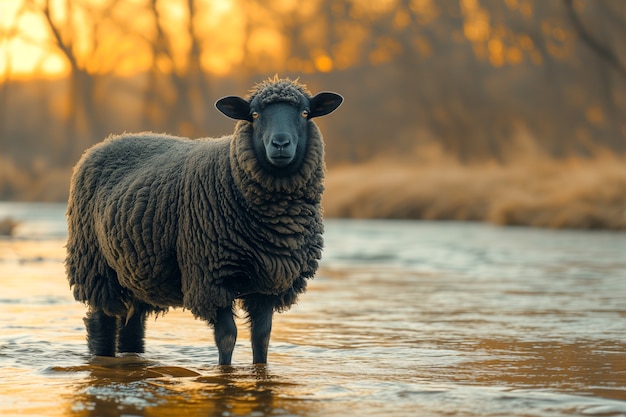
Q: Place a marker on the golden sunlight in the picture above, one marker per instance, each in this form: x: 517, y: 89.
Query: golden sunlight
x: 120, y: 38
x: 21, y: 54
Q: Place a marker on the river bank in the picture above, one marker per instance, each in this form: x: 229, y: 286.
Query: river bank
x: 575, y: 193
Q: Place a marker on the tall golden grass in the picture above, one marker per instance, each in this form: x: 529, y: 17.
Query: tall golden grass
x: 36, y: 183
x: 570, y: 193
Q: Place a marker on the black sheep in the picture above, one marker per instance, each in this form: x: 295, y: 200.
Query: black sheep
x: 158, y: 221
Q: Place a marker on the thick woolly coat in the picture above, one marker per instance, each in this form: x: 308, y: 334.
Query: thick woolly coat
x: 161, y: 221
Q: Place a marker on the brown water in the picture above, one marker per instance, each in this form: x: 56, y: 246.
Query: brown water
x: 403, y: 319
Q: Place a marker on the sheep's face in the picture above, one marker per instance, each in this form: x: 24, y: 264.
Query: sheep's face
x: 279, y: 133
x: 280, y: 128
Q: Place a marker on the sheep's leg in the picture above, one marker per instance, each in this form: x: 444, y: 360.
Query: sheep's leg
x: 101, y: 333
x: 131, y: 333
x: 260, y: 311
x: 225, y: 335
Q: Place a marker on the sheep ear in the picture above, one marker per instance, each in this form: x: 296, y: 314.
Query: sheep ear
x: 234, y: 107
x: 324, y: 103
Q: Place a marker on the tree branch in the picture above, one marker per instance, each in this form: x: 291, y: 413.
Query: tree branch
x: 601, y: 50
x: 66, y: 48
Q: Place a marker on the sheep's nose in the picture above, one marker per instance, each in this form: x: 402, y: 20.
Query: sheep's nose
x: 281, y: 140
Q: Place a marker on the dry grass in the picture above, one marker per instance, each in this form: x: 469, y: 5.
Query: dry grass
x: 37, y: 183
x: 574, y: 193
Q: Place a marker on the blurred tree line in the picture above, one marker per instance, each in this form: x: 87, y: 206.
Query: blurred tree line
x: 478, y: 79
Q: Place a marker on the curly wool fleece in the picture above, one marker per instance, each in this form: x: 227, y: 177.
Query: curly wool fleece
x: 161, y: 221
x: 278, y: 90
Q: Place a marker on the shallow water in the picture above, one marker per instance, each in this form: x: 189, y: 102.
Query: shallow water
x: 404, y: 318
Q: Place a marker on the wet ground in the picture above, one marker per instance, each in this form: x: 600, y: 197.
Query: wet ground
x: 404, y: 318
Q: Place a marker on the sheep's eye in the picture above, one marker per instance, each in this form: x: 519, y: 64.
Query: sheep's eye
x: 255, y: 115
x: 305, y: 113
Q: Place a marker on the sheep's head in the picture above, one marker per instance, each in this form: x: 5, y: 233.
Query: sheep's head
x: 279, y: 111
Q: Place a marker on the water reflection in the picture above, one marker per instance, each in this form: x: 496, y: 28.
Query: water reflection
x: 134, y: 386
x: 584, y: 366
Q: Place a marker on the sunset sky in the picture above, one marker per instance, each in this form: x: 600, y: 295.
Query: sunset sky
x: 20, y: 54
x: 108, y: 40
x: 118, y: 37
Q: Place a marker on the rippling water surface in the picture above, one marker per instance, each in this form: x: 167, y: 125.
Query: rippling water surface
x: 403, y: 319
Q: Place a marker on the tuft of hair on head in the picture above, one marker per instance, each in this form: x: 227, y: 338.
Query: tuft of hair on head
x: 277, y: 89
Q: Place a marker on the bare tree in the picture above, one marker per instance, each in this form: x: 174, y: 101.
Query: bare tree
x: 84, y: 122
x: 6, y: 36
x: 180, y: 104
x: 592, y: 42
